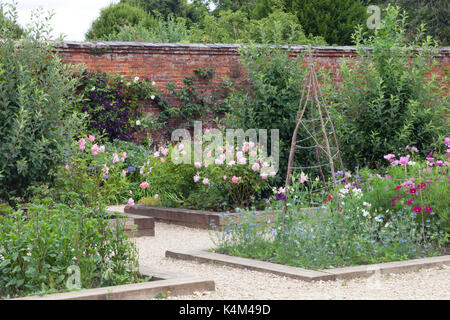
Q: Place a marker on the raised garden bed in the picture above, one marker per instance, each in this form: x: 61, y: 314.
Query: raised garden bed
x: 178, y: 216
x: 193, y: 218
x: 204, y: 256
x: 136, y: 225
x: 161, y: 285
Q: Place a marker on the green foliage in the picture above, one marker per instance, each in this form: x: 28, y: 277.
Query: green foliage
x: 334, y: 20
x: 117, y: 16
x: 41, y: 241
x: 37, y: 97
x: 387, y: 98
x: 164, y: 31
x: 8, y: 22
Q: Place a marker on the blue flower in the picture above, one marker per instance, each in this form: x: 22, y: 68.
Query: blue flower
x: 131, y: 169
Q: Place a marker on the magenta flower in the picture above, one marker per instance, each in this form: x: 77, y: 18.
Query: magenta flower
x: 417, y: 209
x: 428, y: 208
x: 398, y: 188
x: 410, y: 201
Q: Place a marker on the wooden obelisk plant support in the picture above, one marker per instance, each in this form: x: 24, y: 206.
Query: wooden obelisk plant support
x: 312, y: 97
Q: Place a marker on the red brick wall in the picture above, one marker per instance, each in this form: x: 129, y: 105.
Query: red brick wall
x: 173, y: 62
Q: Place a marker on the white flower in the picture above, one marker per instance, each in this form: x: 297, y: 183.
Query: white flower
x: 153, y: 83
x: 128, y: 84
x: 136, y: 79
x: 138, y: 123
x: 365, y: 213
x: 152, y: 97
x: 93, y: 88
x: 411, y: 163
x: 368, y: 205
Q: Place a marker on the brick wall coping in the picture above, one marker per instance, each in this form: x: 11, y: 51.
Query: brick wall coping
x: 100, y: 47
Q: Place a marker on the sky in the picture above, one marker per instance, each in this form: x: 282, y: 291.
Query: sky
x: 73, y: 18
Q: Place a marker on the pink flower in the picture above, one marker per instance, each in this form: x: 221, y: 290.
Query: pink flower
x: 255, y: 166
x: 115, y: 157
x: 82, y: 144
x: 131, y: 202
x: 180, y: 147
x: 389, y: 156
x: 417, y: 209
x: 224, y: 177
x: 242, y: 160
x: 208, y: 155
x: 303, y: 178
x: 205, y: 181
x: 67, y: 166
x: 235, y: 179
x: 124, y: 173
x: 428, y: 208
x: 251, y: 144
x: 198, y: 165
x: 218, y: 161
x: 101, y: 149
x: 404, y: 160
x: 156, y: 154
x: 395, y: 162
x: 447, y: 142
x: 245, y: 148
x: 156, y: 196
x: 263, y: 175
x: 124, y: 156
x: 239, y: 155
x: 144, y: 185
x: 272, y: 174
x: 231, y: 163
x: 94, y: 149
x: 397, y: 187
x: 164, y: 151
x: 163, y: 160
x: 196, y: 178
x: 91, y: 138
x: 410, y: 201
x: 414, y: 149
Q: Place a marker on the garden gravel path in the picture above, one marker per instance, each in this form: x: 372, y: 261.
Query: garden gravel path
x: 232, y: 283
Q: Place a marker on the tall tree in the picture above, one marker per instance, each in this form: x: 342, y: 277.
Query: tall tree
x: 335, y: 20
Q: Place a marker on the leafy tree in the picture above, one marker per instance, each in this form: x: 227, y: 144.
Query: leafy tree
x: 116, y: 16
x: 37, y: 94
x: 387, y: 98
x: 8, y: 24
x: 334, y: 20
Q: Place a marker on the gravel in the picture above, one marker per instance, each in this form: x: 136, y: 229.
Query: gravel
x: 232, y: 283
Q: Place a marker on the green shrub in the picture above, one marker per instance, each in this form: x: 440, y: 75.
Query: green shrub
x: 387, y: 98
x: 39, y: 243
x: 37, y: 98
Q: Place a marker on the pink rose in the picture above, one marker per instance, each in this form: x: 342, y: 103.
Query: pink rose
x: 235, y: 179
x: 91, y: 138
x: 131, y: 202
x: 198, y: 165
x: 255, y: 166
x: 101, y: 149
x: 196, y: 178
x: 205, y: 181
